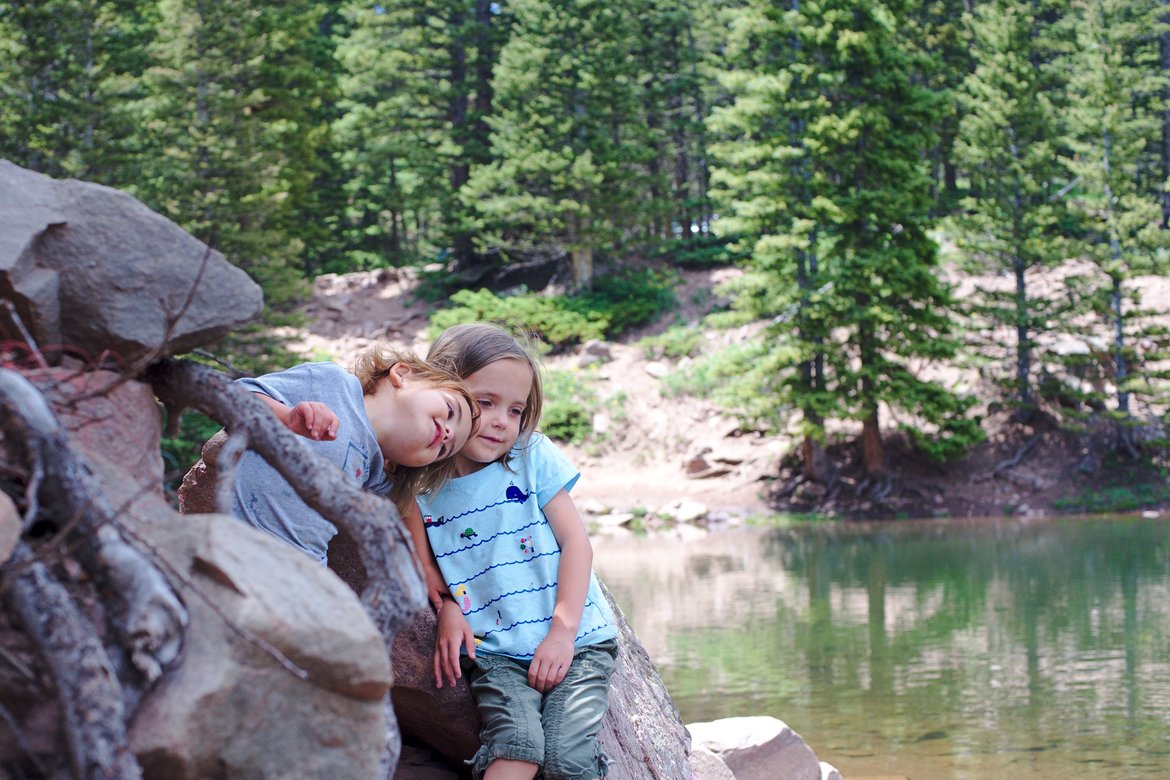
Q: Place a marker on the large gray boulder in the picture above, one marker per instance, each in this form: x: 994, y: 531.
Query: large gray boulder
x: 284, y: 674
x: 93, y: 272
x: 758, y: 748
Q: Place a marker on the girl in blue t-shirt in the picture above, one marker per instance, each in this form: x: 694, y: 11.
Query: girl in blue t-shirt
x: 510, y: 574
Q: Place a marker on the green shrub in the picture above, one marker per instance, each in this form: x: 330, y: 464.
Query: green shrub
x: 616, y: 302
x: 676, y: 342
x: 701, y: 251
x: 569, y: 403
x: 627, y: 298
x: 545, y: 317
x: 1121, y: 498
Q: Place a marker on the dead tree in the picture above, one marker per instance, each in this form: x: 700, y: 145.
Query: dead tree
x: 393, y: 590
x: 97, y: 687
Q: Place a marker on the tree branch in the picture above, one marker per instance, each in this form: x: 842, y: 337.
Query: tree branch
x: 148, y: 617
x: 394, y: 591
x: 88, y: 693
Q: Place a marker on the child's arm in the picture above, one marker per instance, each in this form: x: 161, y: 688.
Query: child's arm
x: 311, y: 419
x: 551, y: 661
x: 453, y: 632
x: 436, y: 585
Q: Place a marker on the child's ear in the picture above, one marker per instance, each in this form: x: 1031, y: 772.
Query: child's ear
x: 399, y: 372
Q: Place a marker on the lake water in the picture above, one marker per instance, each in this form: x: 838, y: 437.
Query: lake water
x: 935, y: 651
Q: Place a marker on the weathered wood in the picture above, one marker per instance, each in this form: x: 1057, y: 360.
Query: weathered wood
x: 88, y: 693
x: 147, y: 616
x: 394, y: 591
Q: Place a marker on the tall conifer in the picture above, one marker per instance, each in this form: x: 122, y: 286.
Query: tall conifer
x: 826, y: 164
x: 1113, y: 70
x: 1007, y: 147
x: 563, y: 150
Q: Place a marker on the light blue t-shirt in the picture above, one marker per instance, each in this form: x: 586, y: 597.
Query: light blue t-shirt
x: 499, y: 554
x: 262, y: 497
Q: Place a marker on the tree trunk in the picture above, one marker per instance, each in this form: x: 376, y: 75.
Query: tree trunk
x: 1023, y: 342
x: 873, y: 452
x: 458, y: 102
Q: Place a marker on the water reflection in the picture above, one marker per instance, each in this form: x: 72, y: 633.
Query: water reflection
x: 953, y: 650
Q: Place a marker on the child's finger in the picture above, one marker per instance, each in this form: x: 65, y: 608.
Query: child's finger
x: 469, y: 642
x: 437, y: 663
x: 452, y: 662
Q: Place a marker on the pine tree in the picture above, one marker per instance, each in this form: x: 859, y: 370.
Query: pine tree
x: 939, y: 34
x: 763, y: 173
x: 827, y: 169
x: 230, y: 131
x: 563, y: 154
x: 670, y: 53
x: 416, y: 96
x: 1113, y: 71
x: 67, y: 67
x: 1008, y: 221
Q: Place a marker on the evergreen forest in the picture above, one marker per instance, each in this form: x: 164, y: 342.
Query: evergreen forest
x: 858, y: 159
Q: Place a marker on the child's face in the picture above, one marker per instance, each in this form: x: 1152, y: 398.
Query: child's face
x: 430, y: 425
x: 501, y: 389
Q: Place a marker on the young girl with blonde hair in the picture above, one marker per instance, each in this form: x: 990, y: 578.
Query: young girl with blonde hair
x: 511, y: 575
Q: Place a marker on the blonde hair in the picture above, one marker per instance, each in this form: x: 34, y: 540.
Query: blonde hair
x: 372, y: 367
x: 465, y: 349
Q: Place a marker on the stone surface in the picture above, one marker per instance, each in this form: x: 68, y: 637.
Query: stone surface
x: 232, y: 708
x: 113, y: 418
x: 419, y: 764
x: 444, y: 719
x: 758, y: 748
x: 706, y: 765
x: 685, y: 510
x: 94, y: 273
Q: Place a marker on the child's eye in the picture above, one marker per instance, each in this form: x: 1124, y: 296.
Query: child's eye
x: 450, y: 410
x: 483, y: 402
x: 517, y: 411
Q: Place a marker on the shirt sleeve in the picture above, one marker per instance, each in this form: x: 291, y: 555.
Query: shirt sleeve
x: 290, y: 386
x: 552, y: 471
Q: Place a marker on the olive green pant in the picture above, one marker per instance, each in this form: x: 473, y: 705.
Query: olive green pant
x: 557, y: 730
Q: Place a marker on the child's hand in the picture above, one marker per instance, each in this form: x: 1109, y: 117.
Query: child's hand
x: 452, y: 633
x: 313, y: 420
x: 551, y: 661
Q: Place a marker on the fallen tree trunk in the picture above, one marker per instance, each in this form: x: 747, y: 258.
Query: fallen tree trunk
x: 393, y: 590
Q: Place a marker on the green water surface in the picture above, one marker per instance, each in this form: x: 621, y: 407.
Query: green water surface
x: 934, y: 651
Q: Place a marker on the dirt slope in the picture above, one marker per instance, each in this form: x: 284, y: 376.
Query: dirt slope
x: 657, y: 451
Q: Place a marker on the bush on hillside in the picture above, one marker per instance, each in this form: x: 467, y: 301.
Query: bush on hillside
x: 614, y: 304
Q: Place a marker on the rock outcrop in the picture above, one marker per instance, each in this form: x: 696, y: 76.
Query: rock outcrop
x: 278, y: 670
x: 757, y: 748
x: 92, y: 272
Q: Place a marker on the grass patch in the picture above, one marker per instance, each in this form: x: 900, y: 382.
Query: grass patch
x: 1117, y: 499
